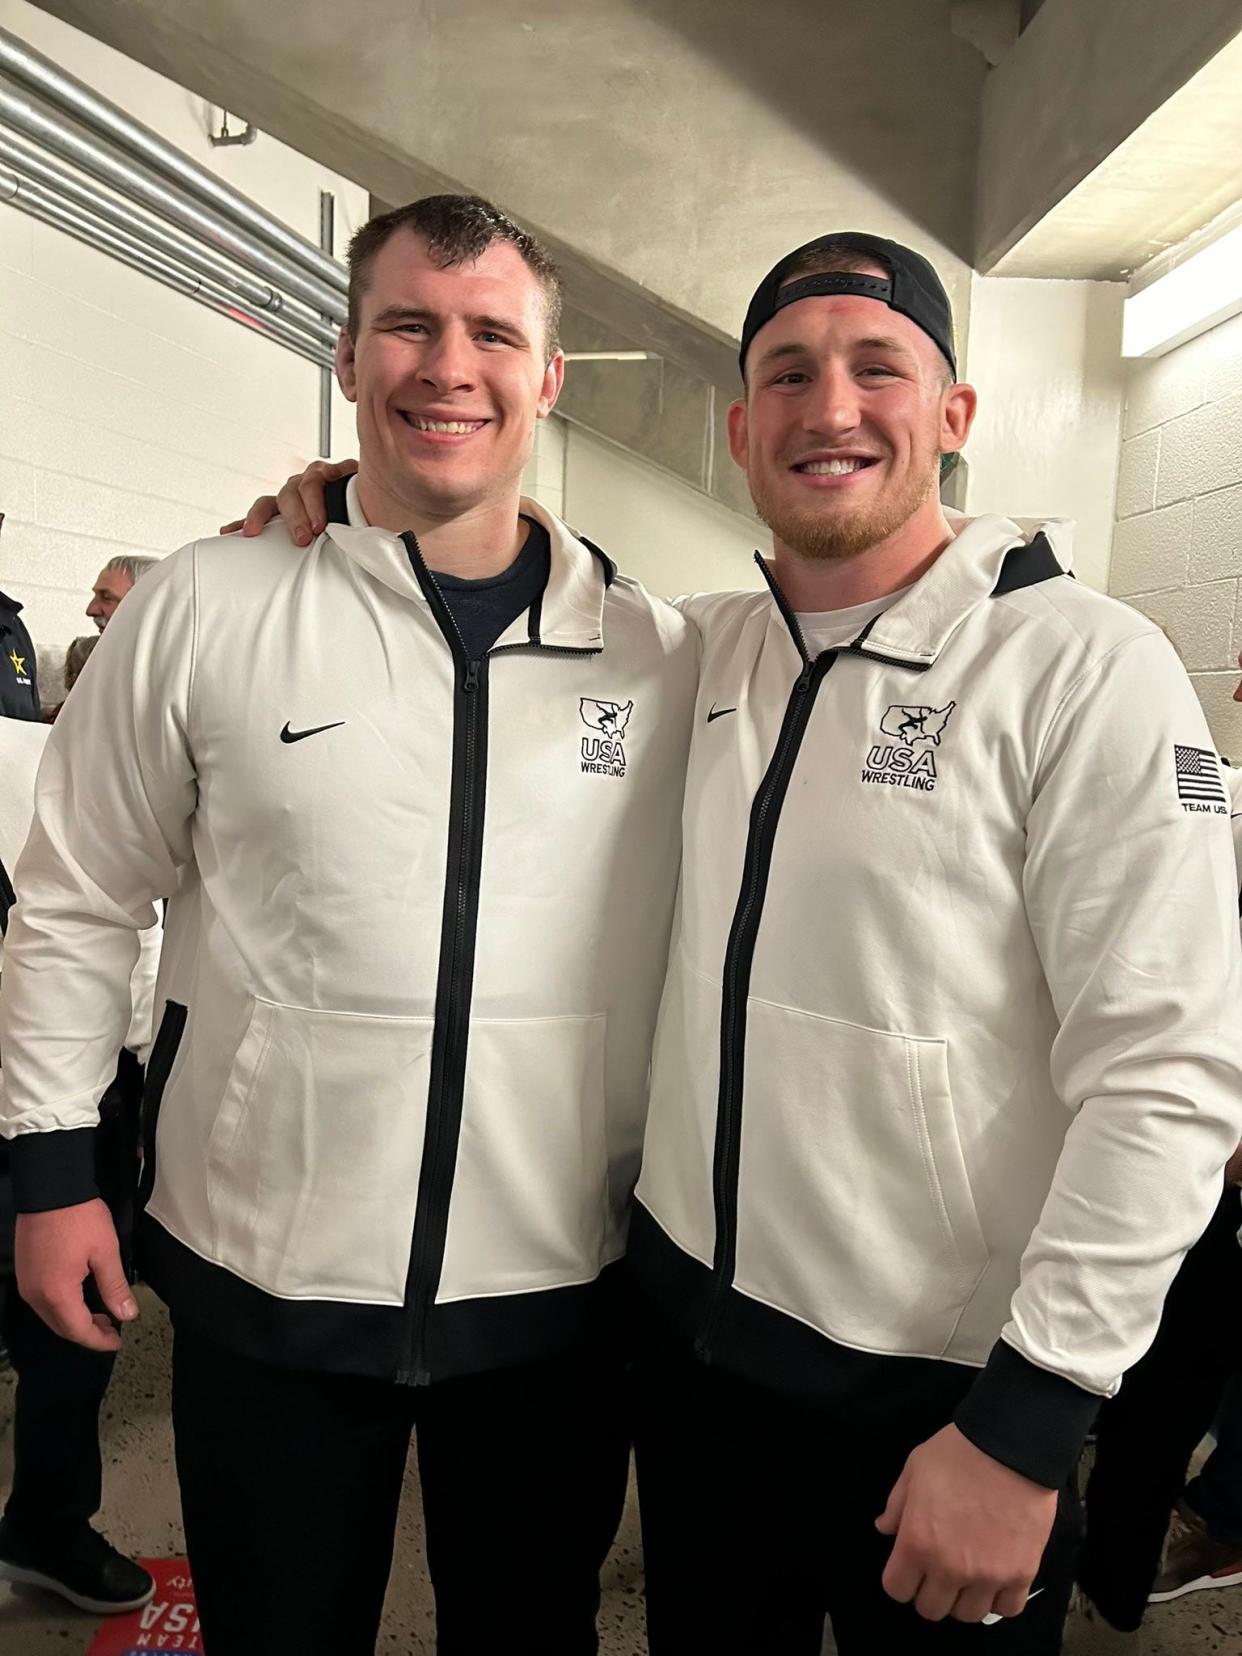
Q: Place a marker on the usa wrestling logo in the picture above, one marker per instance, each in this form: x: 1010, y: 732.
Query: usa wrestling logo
x: 604, y: 753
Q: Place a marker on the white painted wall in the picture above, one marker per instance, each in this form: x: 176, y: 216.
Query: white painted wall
x: 1177, y: 551
x: 131, y: 418
x: 1045, y: 358
x: 654, y: 527
x: 544, y: 478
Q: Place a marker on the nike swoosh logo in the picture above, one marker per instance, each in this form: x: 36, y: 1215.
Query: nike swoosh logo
x: 719, y: 712
x: 288, y: 735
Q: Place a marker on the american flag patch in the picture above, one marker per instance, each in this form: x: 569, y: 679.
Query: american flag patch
x: 1198, y: 776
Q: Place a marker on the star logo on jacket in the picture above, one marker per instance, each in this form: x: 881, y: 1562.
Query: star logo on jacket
x: 907, y: 760
x: 604, y: 753
x: 19, y: 667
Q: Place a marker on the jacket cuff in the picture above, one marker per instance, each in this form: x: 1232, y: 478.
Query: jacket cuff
x: 1029, y: 1419
x: 54, y: 1169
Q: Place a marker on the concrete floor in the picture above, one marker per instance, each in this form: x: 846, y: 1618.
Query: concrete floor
x: 140, y: 1514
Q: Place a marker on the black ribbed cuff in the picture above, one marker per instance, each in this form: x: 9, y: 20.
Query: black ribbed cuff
x: 53, y: 1170
x: 1028, y: 1419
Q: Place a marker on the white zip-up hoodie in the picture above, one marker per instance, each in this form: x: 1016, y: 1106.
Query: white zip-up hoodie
x: 950, y: 1052
x: 21, y: 748
x: 413, y: 959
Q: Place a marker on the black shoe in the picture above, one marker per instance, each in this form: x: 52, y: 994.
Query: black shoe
x: 85, y: 1569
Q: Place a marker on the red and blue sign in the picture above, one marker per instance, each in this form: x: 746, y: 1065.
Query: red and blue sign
x: 168, y: 1624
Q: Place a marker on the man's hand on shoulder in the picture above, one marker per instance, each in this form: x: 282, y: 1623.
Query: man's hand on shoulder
x: 970, y: 1533
x: 300, y: 502
x: 56, y: 1252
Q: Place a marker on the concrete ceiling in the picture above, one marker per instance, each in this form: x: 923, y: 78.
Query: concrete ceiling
x: 1111, y: 128
x: 1168, y: 179
x: 670, y: 150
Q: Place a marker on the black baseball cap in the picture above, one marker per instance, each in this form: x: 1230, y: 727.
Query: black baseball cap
x: 911, y: 288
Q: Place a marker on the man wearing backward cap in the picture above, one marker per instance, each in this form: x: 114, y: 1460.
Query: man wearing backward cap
x: 949, y: 1059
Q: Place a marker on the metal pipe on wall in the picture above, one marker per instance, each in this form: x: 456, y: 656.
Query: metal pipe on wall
x: 29, y: 162
x: 53, y: 132
x: 40, y: 204
x: 63, y: 90
x: 327, y: 236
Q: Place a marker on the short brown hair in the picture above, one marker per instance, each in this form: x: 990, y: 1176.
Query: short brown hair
x: 457, y: 229
x: 827, y: 259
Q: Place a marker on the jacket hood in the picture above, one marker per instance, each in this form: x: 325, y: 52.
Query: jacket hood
x: 571, y: 614
x: 915, y: 628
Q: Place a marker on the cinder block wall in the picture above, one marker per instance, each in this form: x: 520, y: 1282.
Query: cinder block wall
x: 1177, y: 548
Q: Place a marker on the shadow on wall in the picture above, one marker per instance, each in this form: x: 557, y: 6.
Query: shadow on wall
x: 888, y: 89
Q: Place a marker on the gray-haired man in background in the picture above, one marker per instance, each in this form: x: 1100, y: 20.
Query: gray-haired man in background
x: 112, y: 583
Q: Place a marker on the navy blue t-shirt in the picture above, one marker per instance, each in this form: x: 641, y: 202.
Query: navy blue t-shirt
x: 483, y: 609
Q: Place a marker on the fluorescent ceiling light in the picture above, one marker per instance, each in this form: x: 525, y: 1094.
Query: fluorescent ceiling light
x: 611, y: 356
x: 1191, y: 298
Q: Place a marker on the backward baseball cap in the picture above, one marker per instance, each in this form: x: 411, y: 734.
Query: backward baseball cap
x: 912, y: 288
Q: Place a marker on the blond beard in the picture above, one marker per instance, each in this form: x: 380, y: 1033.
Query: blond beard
x: 821, y: 536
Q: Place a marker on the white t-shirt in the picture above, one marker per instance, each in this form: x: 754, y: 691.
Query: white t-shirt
x: 827, y: 629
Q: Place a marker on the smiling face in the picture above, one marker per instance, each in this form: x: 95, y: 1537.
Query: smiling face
x: 449, y: 372
x: 849, y: 406
x: 110, y: 587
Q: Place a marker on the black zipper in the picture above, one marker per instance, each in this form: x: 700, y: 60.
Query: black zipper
x: 860, y: 647
x: 743, y: 934
x: 455, y: 978
x: 7, y: 898
x: 739, y: 956
x: 887, y: 660
x: 159, y: 1067
x: 543, y: 649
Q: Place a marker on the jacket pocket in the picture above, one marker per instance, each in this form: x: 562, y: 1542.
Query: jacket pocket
x: 531, y: 1198
x: 854, y: 1208
x: 159, y: 1067
x: 675, y: 1184
x: 313, y: 1158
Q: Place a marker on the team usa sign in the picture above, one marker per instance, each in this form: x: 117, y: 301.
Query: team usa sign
x: 169, y: 1623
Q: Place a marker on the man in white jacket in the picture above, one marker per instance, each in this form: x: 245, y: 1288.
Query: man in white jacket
x: 421, y: 787
x: 949, y: 1059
